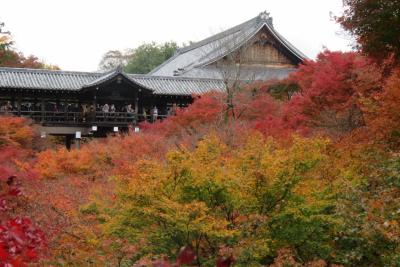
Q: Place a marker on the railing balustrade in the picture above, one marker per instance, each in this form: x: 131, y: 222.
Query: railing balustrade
x: 84, y: 118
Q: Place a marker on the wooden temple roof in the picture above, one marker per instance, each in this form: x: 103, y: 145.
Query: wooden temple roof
x: 195, y: 60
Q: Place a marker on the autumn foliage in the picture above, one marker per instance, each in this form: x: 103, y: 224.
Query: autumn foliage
x: 310, y: 178
x: 303, y: 171
x: 11, y: 57
x: 21, y: 240
x: 307, y: 179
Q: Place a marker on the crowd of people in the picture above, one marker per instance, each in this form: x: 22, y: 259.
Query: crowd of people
x: 104, y: 111
x: 6, y: 107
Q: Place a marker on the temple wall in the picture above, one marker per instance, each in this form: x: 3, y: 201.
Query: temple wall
x: 262, y: 51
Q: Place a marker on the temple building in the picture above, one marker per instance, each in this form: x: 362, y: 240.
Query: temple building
x: 253, y: 50
x: 95, y: 103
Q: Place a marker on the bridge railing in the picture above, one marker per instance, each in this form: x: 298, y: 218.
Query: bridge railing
x: 84, y: 118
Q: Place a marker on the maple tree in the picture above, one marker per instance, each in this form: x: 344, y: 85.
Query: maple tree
x: 21, y: 240
x: 375, y: 24
x: 10, y: 57
x: 328, y: 96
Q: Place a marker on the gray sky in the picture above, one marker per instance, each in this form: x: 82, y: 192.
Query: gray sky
x: 74, y: 34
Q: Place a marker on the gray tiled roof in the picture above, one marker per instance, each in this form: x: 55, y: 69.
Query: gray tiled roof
x: 75, y: 81
x: 45, y: 79
x: 207, y: 51
x: 178, y: 85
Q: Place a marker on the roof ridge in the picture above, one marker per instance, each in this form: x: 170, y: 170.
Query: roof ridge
x: 205, y: 41
x: 218, y: 35
x: 147, y: 76
x: 11, y: 69
x: 230, y: 50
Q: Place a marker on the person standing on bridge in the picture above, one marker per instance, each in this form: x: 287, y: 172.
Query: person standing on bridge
x: 85, y: 111
x: 129, y: 109
x: 144, y: 114
x: 155, y: 113
x: 8, y: 107
x: 106, y: 108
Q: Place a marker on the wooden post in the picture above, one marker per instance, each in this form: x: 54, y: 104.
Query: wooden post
x: 78, y: 143
x: 66, y: 111
x: 93, y: 116
x: 136, y: 105
x: 42, y: 107
x: 68, y: 142
x: 34, y: 109
x: 78, y: 140
x: 19, y: 105
x: 12, y: 103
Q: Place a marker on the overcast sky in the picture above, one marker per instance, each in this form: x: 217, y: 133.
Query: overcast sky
x: 74, y: 34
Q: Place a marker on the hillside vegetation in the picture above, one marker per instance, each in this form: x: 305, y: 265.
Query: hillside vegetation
x: 309, y: 178
x: 299, y: 172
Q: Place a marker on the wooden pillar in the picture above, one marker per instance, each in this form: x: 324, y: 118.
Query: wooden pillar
x: 68, y: 141
x: 136, y: 104
x: 77, y: 143
x: 95, y: 97
x: 19, y: 105
x: 42, y: 108
x: 94, y: 103
x: 34, y: 104
x: 13, y: 101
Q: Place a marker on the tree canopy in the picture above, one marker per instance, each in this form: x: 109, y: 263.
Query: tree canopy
x: 140, y: 60
x: 10, y: 57
x: 375, y: 24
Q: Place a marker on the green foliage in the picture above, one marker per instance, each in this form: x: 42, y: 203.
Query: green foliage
x: 5, y: 39
x: 215, y: 198
x: 283, y: 90
x: 148, y: 56
x: 140, y: 60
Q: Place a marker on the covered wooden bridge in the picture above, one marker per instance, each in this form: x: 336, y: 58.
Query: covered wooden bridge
x: 94, y: 103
